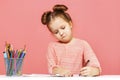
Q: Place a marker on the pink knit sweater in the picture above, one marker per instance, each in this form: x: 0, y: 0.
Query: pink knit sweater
x: 71, y: 56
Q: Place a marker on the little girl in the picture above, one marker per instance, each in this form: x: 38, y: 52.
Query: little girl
x: 69, y: 55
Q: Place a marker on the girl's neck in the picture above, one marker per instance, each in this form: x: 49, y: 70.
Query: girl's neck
x: 70, y: 42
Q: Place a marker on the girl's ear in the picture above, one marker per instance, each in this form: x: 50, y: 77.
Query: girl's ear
x: 70, y: 24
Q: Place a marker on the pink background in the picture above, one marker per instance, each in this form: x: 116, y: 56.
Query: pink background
x: 97, y: 21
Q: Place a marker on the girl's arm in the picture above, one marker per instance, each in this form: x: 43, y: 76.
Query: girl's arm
x: 52, y: 63
x: 51, y: 58
x: 92, y: 68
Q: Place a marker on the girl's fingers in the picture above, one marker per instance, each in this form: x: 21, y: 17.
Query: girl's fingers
x: 68, y: 74
x: 83, y: 72
x: 83, y: 69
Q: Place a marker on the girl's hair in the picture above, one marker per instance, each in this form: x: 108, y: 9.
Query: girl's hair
x: 58, y: 11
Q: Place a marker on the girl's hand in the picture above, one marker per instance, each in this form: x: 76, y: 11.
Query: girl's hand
x: 62, y: 72
x: 89, y: 71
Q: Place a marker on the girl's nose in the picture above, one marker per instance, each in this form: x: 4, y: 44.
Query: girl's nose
x: 61, y: 33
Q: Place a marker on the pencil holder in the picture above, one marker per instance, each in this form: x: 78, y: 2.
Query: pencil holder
x: 13, y: 66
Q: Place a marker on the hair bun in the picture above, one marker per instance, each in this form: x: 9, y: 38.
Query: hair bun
x: 45, y: 17
x: 59, y: 7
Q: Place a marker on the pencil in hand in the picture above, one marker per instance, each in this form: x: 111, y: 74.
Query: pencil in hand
x: 86, y: 63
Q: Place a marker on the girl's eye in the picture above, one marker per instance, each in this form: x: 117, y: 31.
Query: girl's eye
x: 63, y: 27
x: 55, y: 32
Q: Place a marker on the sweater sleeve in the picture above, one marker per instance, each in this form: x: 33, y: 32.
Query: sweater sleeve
x: 90, y: 55
x: 51, y: 58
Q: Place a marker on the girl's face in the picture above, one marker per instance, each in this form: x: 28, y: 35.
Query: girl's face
x: 61, y: 29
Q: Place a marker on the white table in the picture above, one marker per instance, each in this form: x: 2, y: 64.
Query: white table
x: 49, y: 77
